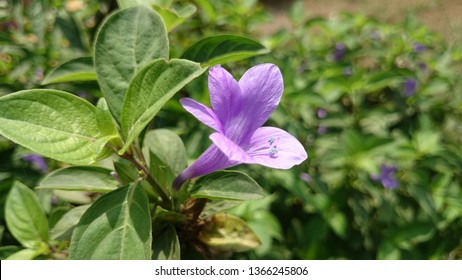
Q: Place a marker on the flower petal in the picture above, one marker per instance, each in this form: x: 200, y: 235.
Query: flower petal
x: 225, y: 94
x: 202, y: 113
x: 211, y: 160
x: 276, y: 148
x: 261, y: 88
x: 230, y: 149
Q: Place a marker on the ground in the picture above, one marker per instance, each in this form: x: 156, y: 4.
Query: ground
x: 444, y: 16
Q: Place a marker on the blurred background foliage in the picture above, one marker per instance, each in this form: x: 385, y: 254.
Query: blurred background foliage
x: 377, y: 105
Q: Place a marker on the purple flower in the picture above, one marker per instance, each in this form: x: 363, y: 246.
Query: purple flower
x: 305, y: 177
x: 36, y: 161
x: 239, y: 109
x: 321, y: 113
x: 339, y: 52
x: 387, y: 176
x: 418, y: 48
x: 322, y: 129
x: 410, y: 86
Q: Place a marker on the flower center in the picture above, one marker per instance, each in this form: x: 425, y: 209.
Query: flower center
x: 273, y: 150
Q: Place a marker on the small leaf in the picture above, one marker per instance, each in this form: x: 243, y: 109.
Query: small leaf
x: 80, y: 178
x: 24, y: 254
x: 169, y: 147
x: 25, y: 217
x: 223, y: 49
x: 228, y: 185
x: 228, y: 233
x: 150, y: 89
x: 75, y: 70
x: 53, y: 123
x: 174, y: 17
x: 127, y: 40
x: 161, y: 172
x: 167, y: 246
x: 126, y: 171
x: 116, y: 227
x: 65, y: 226
x: 106, y: 123
x: 8, y: 250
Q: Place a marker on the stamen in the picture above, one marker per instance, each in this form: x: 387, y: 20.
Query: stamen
x: 271, y: 140
x: 273, y: 151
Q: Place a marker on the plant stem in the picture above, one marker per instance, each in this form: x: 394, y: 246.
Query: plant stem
x: 166, y: 199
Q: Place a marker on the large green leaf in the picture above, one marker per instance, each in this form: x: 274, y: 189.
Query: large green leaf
x: 228, y: 185
x: 168, y: 147
x: 80, y: 178
x: 75, y: 70
x: 223, y: 49
x: 53, y: 123
x: 150, y: 89
x: 117, y: 226
x: 25, y: 217
x: 128, y: 40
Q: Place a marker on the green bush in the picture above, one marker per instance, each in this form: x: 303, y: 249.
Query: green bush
x: 378, y: 107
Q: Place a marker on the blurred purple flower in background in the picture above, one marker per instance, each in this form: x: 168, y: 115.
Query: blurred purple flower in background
x: 239, y: 109
x: 322, y: 129
x: 410, y: 85
x: 418, y: 48
x: 37, y: 161
x: 305, y: 177
x: 340, y: 50
x: 387, y: 176
x: 321, y: 113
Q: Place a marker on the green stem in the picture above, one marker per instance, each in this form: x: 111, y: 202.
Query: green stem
x: 166, y: 199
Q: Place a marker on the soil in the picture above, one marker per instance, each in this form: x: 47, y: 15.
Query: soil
x: 443, y: 16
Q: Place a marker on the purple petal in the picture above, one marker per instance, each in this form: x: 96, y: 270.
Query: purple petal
x: 230, y: 149
x: 202, y: 113
x: 261, y: 88
x: 274, y: 147
x: 211, y: 160
x: 225, y: 94
x: 37, y: 161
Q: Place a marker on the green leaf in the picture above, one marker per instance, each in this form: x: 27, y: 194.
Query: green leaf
x: 174, y: 17
x: 75, y: 70
x: 161, y: 172
x: 126, y: 171
x: 25, y: 217
x: 53, y: 123
x: 228, y: 233
x: 127, y: 40
x: 65, y: 226
x: 228, y: 185
x: 222, y: 49
x: 338, y: 222
x: 117, y: 226
x: 169, y: 147
x: 407, y: 236
x: 8, y: 250
x: 24, y: 254
x: 167, y: 246
x: 150, y: 89
x: 133, y: 3
x: 106, y: 123
x: 80, y: 178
